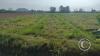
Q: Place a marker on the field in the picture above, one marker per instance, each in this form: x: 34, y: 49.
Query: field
x: 47, y: 34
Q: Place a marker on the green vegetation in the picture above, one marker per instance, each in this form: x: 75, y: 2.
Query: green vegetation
x: 48, y: 34
x: 98, y: 18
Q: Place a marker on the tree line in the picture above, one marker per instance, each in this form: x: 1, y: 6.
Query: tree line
x: 62, y: 9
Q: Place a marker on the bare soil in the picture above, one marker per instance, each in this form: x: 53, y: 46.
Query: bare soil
x: 13, y: 15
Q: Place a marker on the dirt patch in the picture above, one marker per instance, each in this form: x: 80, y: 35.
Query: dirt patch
x: 13, y: 15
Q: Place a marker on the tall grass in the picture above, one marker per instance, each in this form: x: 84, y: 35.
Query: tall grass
x: 47, y: 35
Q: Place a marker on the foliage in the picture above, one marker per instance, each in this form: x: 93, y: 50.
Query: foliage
x: 47, y: 34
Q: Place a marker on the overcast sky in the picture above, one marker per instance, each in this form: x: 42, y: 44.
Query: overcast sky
x: 45, y: 4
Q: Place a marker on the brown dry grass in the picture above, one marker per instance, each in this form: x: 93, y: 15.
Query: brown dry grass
x: 12, y: 15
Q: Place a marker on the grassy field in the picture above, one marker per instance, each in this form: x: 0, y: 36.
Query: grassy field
x: 47, y: 34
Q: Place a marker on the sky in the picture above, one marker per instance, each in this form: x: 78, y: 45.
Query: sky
x: 46, y: 4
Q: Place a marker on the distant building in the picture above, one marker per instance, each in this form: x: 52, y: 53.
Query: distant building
x: 67, y: 9
x: 22, y: 10
x: 52, y: 9
x: 93, y: 10
x: 81, y: 10
x: 64, y: 9
x: 61, y: 9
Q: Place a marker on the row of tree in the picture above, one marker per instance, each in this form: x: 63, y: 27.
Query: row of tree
x: 21, y: 10
x: 62, y: 9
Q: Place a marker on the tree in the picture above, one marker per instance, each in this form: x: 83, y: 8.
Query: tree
x: 3, y: 10
x: 10, y: 10
x: 22, y: 10
x: 93, y: 10
x: 76, y: 10
x: 98, y: 18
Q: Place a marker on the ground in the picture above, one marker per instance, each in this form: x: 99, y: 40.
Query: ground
x: 47, y: 34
